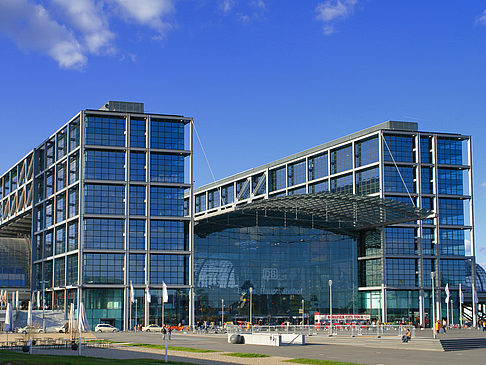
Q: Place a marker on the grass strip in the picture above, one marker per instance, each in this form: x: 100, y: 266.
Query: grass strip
x: 174, y: 348
x: 319, y: 362
x: 18, y: 358
x: 243, y: 354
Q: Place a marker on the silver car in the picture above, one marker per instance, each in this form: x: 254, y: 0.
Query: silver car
x: 152, y: 328
x: 104, y: 327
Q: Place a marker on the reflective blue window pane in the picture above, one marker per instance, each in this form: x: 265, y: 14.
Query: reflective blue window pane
x: 136, y: 238
x: 107, y: 234
x: 426, y: 149
x: 429, y: 266
x: 60, y: 240
x: 167, y: 235
x: 166, y: 135
x: 427, y: 181
x: 105, y: 165
x: 453, y: 271
x: 401, y: 148
x: 59, y: 269
x: 428, y: 241
x: 317, y: 187
x: 200, y: 203
x: 227, y: 194
x: 341, y: 159
x: 48, y: 244
x: 137, y: 133
x: 137, y: 200
x: 400, y: 241
x: 103, y: 268
x: 296, y: 173
x: 137, y: 268
x: 452, y: 242
x: 366, y: 151
x: 72, y: 236
x: 394, y: 182
x: 137, y: 166
x: 368, y: 181
x: 298, y: 191
x: 104, y: 199
x: 166, y: 168
x: 171, y: 269
x: 166, y: 201
x: 103, y: 131
x: 428, y: 204
x: 277, y: 179
x: 451, y: 211
x: 402, y: 272
x: 213, y: 199
x: 451, y: 181
x: 343, y: 184
x: 449, y: 151
x: 72, y: 270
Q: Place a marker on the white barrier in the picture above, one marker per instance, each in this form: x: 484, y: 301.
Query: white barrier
x: 271, y: 339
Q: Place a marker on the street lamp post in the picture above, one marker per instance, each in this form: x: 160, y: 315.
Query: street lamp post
x: 222, y: 312
x: 251, y: 304
x: 43, y: 306
x: 303, y: 312
x: 330, y: 306
x: 432, y: 276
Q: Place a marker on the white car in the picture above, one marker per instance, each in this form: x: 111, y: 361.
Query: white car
x: 25, y: 330
x: 104, y: 327
x: 62, y: 329
x: 152, y: 328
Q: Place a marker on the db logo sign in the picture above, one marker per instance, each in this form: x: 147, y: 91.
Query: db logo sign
x: 270, y: 274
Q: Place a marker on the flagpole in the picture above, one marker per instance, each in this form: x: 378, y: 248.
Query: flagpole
x: 460, y: 305
x: 452, y: 312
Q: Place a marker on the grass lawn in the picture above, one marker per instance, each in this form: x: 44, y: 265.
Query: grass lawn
x: 14, y: 358
x: 174, y: 348
x: 243, y: 354
x: 320, y: 362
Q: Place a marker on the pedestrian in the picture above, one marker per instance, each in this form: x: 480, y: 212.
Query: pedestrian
x: 444, y: 325
x: 407, y: 336
x: 170, y: 332
x: 437, y: 326
x: 164, y: 332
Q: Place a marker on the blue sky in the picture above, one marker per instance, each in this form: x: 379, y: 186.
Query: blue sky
x: 262, y: 78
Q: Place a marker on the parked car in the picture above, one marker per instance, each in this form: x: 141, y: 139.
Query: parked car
x: 25, y: 330
x: 105, y: 327
x: 152, y: 328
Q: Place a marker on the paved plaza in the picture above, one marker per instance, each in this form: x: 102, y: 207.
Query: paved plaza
x: 361, y: 350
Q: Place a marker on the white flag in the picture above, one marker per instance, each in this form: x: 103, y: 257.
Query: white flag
x: 447, y: 293
x: 83, y: 324
x: 29, y: 315
x: 149, y: 297
x: 132, y: 293
x: 32, y: 299
x: 461, y: 294
x: 9, y: 319
x: 38, y: 300
x: 165, y: 296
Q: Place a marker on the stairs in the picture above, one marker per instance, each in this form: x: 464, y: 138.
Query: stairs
x: 459, y: 344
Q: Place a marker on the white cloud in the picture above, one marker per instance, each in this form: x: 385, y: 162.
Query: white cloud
x: 482, y: 18
x: 149, y: 13
x: 332, y: 11
x: 31, y: 27
x: 87, y: 17
x: 227, y: 5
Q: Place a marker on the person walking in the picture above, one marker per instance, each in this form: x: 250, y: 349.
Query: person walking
x: 444, y: 325
x: 164, y: 332
x: 169, y: 330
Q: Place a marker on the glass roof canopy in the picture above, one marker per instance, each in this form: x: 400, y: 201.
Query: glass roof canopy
x: 344, y: 213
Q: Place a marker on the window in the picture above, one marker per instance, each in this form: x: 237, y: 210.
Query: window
x: 277, y: 179
x: 166, y: 135
x: 72, y: 270
x: 368, y: 181
x: 49, y: 215
x: 104, y: 199
x: 213, y: 198
x: 61, y: 176
x: 401, y: 148
x: 137, y: 234
x: 427, y: 181
x: 425, y: 149
x: 103, y: 268
x: 258, y: 184
x: 395, y: 184
x: 106, y: 234
x: 137, y: 133
x: 296, y: 173
x: 137, y: 268
x: 428, y: 267
x: 171, y: 269
x: 103, y: 131
x: 73, y: 202
x: 105, y: 165
x: 453, y: 271
x: 318, y: 166
x: 73, y: 168
x: 451, y: 181
x: 452, y: 242
x: 343, y: 184
x: 366, y: 151
x: 449, y: 151
x: 227, y: 194
x: 370, y: 272
x: 400, y: 241
x: 61, y: 207
x: 59, y: 269
x: 74, y: 134
x: 451, y: 212
x: 166, y: 201
x: 428, y: 241
x: 200, y: 203
x: 61, y: 144
x: 60, y: 240
x: 166, y: 168
x: 137, y: 166
x: 401, y: 272
x: 341, y: 159
x: 49, y: 183
x: 243, y: 189
x: 72, y: 236
x: 48, y: 244
x: 167, y: 235
x: 428, y: 204
x: 137, y: 200
x: 322, y: 186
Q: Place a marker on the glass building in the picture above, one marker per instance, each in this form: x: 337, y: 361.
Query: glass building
x: 101, y: 201
x: 250, y: 231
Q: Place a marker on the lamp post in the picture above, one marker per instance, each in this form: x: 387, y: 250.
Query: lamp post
x: 432, y: 276
x: 452, y: 313
x: 330, y: 306
x: 251, y: 304
x: 303, y: 312
x: 222, y: 312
